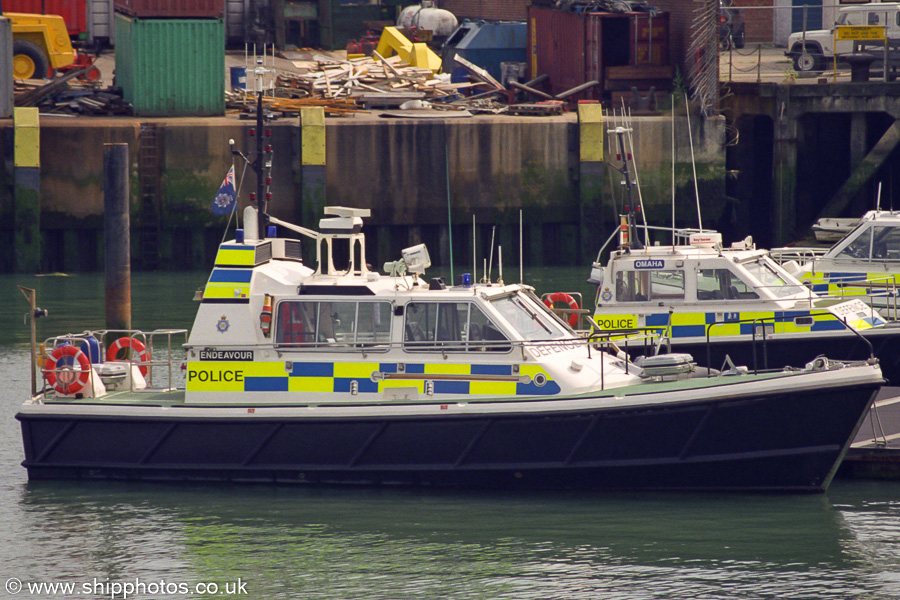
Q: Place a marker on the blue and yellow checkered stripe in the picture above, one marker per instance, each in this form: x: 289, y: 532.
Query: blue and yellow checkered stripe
x: 842, y: 284
x: 228, y: 283
x: 694, y: 325
x: 328, y: 377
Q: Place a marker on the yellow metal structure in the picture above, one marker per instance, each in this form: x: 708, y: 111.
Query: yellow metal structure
x: 40, y: 42
x: 590, y: 132
x: 27, y: 151
x: 312, y: 125
x: 415, y: 55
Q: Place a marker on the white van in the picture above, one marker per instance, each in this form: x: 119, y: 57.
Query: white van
x: 817, y: 50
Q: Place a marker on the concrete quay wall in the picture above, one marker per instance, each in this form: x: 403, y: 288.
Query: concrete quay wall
x: 414, y: 174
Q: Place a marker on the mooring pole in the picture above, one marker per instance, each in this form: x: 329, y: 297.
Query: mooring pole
x: 116, y: 230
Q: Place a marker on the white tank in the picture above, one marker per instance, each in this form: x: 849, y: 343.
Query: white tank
x: 440, y: 22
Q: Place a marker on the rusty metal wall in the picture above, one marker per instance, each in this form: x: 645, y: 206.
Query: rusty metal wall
x: 198, y: 9
x: 574, y: 48
x: 556, y: 47
x: 73, y: 11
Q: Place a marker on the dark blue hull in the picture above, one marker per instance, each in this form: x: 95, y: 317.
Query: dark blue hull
x: 771, y: 442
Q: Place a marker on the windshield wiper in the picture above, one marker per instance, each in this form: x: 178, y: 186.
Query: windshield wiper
x: 532, y: 314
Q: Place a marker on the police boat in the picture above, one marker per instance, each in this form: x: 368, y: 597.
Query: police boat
x: 338, y: 373
x: 723, y: 305
x: 732, y: 304
x: 864, y: 263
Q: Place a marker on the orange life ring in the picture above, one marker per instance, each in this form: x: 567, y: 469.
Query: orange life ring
x: 564, y: 297
x: 66, y: 381
x: 124, y: 343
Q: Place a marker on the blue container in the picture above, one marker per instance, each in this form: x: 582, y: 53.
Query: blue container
x: 91, y: 347
x: 238, y: 78
x: 486, y: 44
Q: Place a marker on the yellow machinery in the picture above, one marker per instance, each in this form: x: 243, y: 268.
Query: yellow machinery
x: 416, y: 55
x: 40, y: 42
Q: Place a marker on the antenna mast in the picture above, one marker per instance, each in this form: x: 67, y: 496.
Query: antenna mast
x: 630, y: 207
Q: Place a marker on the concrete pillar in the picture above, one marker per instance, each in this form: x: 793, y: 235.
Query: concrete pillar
x: 857, y: 138
x: 27, y: 193
x: 784, y: 168
x: 858, y: 151
x: 116, y: 230
x: 590, y: 197
x: 312, y: 162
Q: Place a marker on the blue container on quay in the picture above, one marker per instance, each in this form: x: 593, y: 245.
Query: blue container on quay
x: 238, y: 78
x: 486, y: 44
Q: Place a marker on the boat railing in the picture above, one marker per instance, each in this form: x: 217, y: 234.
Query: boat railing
x: 590, y: 341
x: 764, y: 327
x: 565, y: 314
x: 158, y: 354
x: 799, y: 254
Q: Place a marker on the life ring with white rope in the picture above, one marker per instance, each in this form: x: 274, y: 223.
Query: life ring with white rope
x: 555, y: 297
x: 128, y: 343
x: 67, y: 369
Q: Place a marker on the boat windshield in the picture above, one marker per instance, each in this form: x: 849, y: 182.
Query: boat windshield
x: 772, y: 280
x: 529, y: 318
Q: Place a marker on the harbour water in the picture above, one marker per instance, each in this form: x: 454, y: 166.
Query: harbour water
x: 107, y: 540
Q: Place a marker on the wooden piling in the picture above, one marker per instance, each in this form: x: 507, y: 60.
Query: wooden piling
x: 116, y: 229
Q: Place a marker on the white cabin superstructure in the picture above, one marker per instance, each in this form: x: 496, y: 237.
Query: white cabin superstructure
x: 351, y: 334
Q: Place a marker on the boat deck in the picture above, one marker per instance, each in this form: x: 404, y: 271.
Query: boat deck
x: 176, y: 397
x: 875, y: 453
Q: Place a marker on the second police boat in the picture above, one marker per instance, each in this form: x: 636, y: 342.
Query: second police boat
x: 726, y: 305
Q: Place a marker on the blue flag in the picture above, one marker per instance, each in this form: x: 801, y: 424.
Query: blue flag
x: 226, y: 198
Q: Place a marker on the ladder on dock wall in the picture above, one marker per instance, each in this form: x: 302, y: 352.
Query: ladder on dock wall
x: 150, y: 185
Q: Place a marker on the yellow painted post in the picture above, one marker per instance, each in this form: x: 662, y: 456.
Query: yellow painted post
x: 590, y: 132
x: 590, y: 147
x: 312, y: 161
x: 28, y: 137
x: 312, y: 127
x: 27, y: 193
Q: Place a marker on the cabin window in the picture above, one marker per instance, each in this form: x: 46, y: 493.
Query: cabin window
x: 333, y: 325
x: 667, y: 285
x: 632, y: 286
x: 450, y: 326
x: 530, y: 317
x: 722, y: 284
x: 859, y: 247
x: 639, y: 286
x: 772, y: 280
x: 886, y: 243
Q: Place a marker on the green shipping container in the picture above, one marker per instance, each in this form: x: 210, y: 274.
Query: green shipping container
x: 171, y: 67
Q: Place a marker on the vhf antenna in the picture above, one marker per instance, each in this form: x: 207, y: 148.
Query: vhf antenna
x: 262, y: 161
